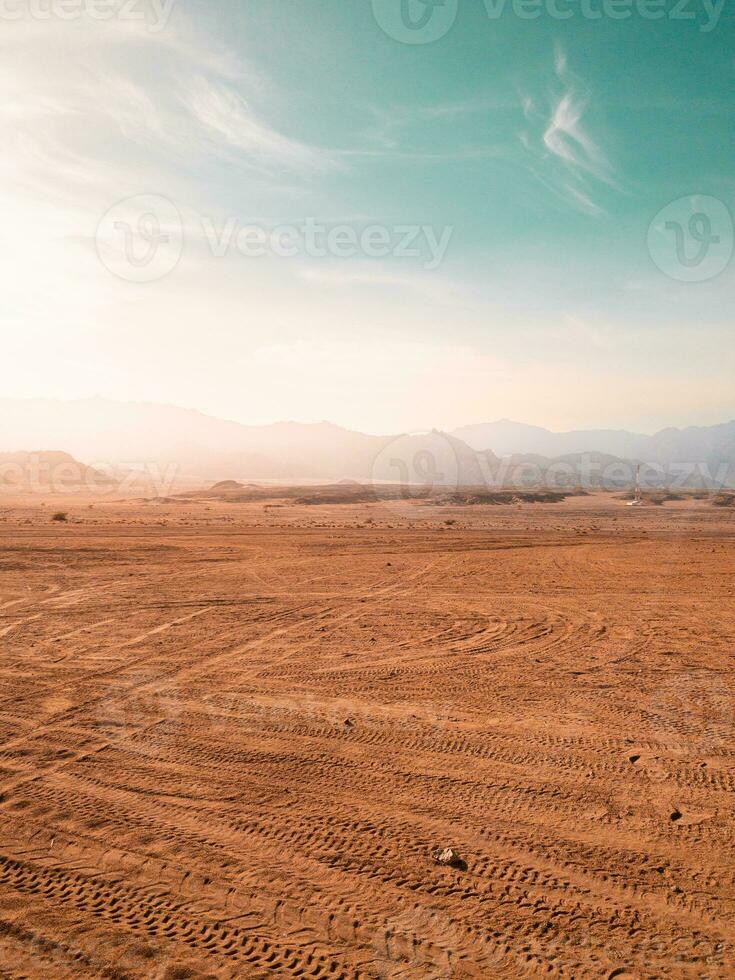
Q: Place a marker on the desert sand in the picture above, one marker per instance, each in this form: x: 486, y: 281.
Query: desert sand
x: 234, y: 735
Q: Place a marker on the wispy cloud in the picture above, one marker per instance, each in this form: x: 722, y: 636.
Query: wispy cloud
x: 231, y: 122
x: 399, y: 132
x: 426, y: 286
x: 560, y: 60
x: 544, y: 129
x: 565, y: 138
x: 96, y: 112
x: 104, y: 110
x: 562, y: 154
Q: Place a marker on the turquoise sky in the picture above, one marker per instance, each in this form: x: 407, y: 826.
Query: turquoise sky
x: 547, y: 146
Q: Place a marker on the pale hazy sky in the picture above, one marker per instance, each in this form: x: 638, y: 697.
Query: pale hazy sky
x: 541, y: 149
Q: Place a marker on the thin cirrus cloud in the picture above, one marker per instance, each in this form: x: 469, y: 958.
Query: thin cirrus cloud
x: 388, y: 126
x: 61, y: 142
x: 560, y: 153
x: 426, y: 286
x: 227, y: 117
x: 565, y: 138
x: 94, y: 113
x: 543, y: 128
x: 399, y: 132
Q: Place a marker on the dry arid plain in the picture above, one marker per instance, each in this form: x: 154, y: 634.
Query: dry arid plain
x: 234, y: 736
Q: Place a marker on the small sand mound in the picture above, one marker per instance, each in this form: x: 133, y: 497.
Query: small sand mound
x: 225, y: 485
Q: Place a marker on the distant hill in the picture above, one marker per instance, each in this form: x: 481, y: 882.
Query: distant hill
x: 101, y: 431
x: 505, y: 437
x: 352, y: 492
x: 46, y: 470
x: 707, y: 450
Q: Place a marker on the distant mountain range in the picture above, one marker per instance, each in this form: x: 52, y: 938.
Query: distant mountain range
x: 715, y: 443
x: 507, y: 438
x: 103, y: 431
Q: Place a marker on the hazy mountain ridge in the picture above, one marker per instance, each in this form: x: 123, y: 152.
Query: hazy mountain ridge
x: 104, y: 431
x: 711, y: 449
x: 506, y: 437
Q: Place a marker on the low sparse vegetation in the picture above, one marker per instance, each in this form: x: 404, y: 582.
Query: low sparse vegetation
x: 61, y: 516
x: 724, y: 500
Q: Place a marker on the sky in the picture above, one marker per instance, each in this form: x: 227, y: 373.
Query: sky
x: 381, y: 213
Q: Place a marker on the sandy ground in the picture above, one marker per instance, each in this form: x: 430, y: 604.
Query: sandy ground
x: 232, y: 737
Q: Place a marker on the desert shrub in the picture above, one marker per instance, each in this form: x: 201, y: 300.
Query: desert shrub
x: 60, y: 515
x: 724, y: 500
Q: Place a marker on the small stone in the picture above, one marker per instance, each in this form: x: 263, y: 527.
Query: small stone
x: 449, y: 858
